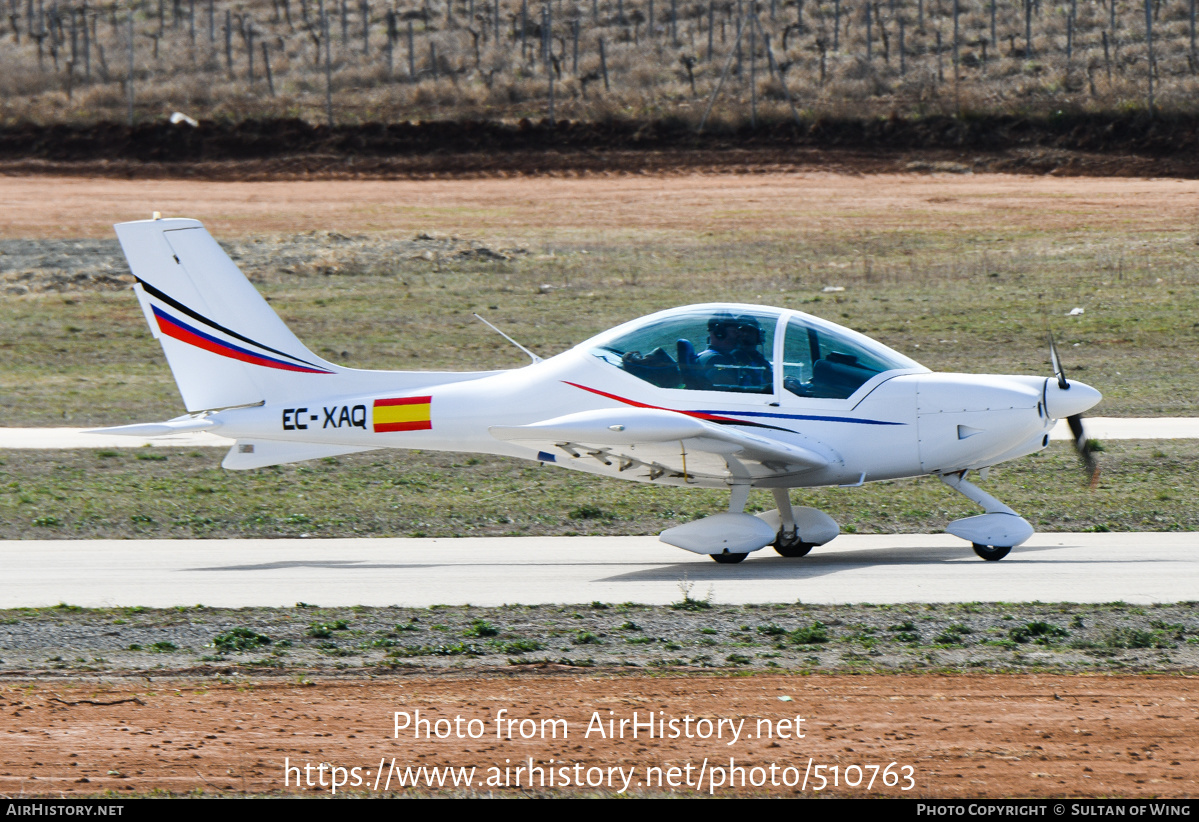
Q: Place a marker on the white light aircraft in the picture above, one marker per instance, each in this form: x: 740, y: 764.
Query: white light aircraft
x: 705, y: 396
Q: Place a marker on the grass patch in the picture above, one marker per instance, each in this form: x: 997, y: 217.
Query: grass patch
x: 833, y: 638
x: 365, y: 496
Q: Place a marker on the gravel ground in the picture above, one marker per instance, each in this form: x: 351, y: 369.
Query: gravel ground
x: 690, y: 634
x: 48, y: 265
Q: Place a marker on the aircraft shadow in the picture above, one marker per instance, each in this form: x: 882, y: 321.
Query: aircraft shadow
x: 343, y: 564
x: 766, y: 564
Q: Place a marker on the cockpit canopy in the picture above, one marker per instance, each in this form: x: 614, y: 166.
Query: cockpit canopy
x: 733, y: 348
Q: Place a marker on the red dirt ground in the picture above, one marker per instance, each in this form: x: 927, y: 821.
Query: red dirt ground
x: 780, y: 203
x: 962, y: 736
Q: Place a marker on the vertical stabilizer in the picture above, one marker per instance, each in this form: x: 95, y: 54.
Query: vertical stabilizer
x: 224, y: 343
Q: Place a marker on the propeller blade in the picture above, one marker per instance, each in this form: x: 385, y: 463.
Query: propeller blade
x: 1056, y: 361
x: 1082, y: 445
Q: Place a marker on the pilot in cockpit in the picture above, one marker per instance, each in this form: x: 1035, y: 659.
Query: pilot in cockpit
x: 733, y: 361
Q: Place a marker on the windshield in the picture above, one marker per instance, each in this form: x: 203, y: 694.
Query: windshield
x: 827, y: 361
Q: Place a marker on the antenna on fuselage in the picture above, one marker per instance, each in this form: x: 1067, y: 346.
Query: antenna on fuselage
x: 534, y: 357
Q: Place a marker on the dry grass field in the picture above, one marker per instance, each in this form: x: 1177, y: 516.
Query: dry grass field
x: 960, y: 271
x: 963, y: 272
x: 732, y: 61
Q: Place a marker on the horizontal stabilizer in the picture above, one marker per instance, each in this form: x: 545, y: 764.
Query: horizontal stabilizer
x: 246, y: 454
x: 159, y: 429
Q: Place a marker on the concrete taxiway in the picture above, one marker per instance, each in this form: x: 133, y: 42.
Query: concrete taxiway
x: 1137, y: 567
x: 1101, y: 428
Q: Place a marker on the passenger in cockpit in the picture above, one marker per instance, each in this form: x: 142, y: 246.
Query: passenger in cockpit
x: 732, y: 361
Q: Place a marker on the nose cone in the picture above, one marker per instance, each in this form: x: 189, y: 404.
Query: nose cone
x: 1075, y: 398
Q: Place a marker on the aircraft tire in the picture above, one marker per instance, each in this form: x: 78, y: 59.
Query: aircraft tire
x: 728, y: 559
x: 992, y: 553
x: 794, y: 548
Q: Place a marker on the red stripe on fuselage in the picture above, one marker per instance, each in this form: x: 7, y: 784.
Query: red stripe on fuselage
x: 696, y: 414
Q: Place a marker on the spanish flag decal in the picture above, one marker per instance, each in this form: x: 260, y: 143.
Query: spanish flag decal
x: 402, y: 414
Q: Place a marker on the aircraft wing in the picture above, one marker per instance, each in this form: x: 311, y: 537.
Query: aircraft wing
x: 660, y: 444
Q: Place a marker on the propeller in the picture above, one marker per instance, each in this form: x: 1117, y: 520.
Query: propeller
x: 1082, y: 445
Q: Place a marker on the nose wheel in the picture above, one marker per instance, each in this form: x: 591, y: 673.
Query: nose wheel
x: 999, y: 524
x: 992, y: 553
x: 728, y: 559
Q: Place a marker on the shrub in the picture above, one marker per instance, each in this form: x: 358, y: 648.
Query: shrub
x: 238, y: 640
x: 814, y: 634
x: 952, y: 635
x: 324, y: 630
x: 481, y: 628
x: 1042, y: 633
x: 1136, y: 638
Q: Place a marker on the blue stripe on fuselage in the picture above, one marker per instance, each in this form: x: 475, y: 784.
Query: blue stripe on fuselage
x: 812, y: 417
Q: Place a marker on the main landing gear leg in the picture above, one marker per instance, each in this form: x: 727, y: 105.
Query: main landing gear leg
x: 992, y: 534
x: 788, y: 542
x: 782, y: 501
